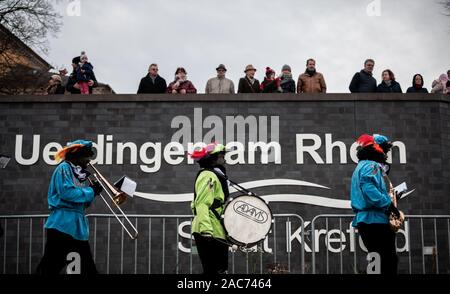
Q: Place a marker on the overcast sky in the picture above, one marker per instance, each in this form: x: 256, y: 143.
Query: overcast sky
x: 122, y: 38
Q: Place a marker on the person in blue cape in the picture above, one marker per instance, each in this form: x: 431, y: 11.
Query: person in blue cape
x: 69, y: 194
x: 371, y: 200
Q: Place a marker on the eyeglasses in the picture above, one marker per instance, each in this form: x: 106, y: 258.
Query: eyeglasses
x: 154, y: 69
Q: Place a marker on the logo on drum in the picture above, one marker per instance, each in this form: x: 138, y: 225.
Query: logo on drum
x: 251, y: 212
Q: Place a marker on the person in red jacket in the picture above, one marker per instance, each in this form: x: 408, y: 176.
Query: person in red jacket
x: 271, y: 84
x: 181, y: 85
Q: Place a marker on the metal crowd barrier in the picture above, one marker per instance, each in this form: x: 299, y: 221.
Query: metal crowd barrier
x: 157, y: 249
x: 424, y: 236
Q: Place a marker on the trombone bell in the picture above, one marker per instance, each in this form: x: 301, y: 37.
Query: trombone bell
x: 120, y: 198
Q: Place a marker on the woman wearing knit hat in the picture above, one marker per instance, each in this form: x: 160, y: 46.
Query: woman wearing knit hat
x: 271, y: 84
x: 85, y: 72
x: 210, y: 195
x: 287, y: 82
x: 69, y: 194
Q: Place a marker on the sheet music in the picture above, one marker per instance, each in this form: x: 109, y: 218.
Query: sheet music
x: 401, y: 188
x: 126, y: 185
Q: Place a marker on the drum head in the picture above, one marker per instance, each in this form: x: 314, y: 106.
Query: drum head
x: 247, y: 220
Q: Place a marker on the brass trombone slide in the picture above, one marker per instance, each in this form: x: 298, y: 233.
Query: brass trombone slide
x: 117, y: 197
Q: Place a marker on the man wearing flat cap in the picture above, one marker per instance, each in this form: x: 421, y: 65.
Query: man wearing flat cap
x: 220, y: 84
x: 249, y: 84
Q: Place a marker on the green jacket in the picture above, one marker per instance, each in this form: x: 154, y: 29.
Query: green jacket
x: 208, y: 188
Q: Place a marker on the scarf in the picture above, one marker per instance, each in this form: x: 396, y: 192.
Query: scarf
x: 285, y: 78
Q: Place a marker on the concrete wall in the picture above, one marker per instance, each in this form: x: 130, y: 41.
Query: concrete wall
x: 420, y: 122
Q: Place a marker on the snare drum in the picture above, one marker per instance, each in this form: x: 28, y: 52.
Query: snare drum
x: 247, y: 220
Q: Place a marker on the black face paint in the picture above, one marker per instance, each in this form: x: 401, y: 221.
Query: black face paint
x: 369, y: 153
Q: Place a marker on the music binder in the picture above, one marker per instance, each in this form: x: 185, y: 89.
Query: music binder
x: 126, y: 185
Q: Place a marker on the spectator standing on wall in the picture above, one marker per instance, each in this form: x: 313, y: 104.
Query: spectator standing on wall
x: 85, y: 72
x: 440, y: 85
x: 220, y: 84
x: 448, y: 82
x: 55, y: 86
x: 388, y: 84
x: 287, y: 82
x: 271, y: 84
x: 363, y: 81
x: 181, y: 85
x: 311, y: 81
x: 152, y: 83
x: 417, y: 85
x: 249, y: 84
x: 72, y: 85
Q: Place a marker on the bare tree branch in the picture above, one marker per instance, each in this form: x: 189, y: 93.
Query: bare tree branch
x: 31, y: 21
x: 446, y: 4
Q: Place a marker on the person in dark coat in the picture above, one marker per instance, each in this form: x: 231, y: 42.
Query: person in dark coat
x: 72, y: 85
x: 249, y: 84
x: 152, y: 83
x: 84, y: 74
x: 388, y: 85
x: 363, y: 81
x: 417, y: 85
x: 271, y: 84
x: 287, y: 82
x: 55, y: 86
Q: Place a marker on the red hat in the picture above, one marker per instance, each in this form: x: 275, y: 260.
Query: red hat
x: 269, y: 71
x: 368, y: 140
x: 206, y: 151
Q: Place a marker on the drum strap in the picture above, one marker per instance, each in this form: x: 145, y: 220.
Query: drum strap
x: 217, y: 203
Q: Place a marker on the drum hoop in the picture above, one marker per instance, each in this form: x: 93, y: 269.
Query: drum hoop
x: 247, y: 245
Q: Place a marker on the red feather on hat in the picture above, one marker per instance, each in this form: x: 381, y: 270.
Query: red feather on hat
x: 367, y: 140
x: 197, y: 154
x: 61, y: 154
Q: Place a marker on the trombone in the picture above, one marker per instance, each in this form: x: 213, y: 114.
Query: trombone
x: 117, y: 197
